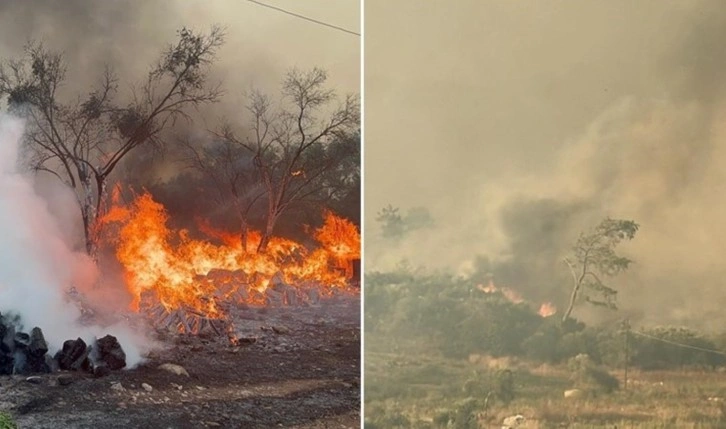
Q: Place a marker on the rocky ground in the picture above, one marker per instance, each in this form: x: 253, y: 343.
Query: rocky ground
x: 296, y: 367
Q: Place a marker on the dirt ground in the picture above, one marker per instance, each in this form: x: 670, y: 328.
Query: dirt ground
x: 301, y: 371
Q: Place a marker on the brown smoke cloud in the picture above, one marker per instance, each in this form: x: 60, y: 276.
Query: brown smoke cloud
x: 527, y: 122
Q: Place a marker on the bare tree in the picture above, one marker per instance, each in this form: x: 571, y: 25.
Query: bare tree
x: 232, y: 170
x: 81, y: 141
x: 289, y: 144
x: 594, y: 258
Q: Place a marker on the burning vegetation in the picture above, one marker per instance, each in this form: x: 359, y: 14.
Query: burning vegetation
x: 245, y: 234
x: 295, y: 153
x: 169, y: 271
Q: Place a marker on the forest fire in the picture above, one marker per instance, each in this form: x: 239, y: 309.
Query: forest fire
x: 508, y: 293
x: 168, y: 268
x: 547, y: 309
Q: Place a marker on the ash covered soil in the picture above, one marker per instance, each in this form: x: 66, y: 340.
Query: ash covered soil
x: 296, y: 367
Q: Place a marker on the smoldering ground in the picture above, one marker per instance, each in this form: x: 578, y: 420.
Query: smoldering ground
x: 38, y: 264
x: 559, y: 115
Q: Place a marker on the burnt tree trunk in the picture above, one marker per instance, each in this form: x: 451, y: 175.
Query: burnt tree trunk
x: 266, y: 235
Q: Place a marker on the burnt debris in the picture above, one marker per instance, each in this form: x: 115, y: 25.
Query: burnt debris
x: 24, y: 354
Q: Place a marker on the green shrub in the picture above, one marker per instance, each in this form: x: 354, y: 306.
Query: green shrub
x: 660, y: 352
x: 389, y: 420
x: 588, y: 376
x: 465, y: 415
x: 542, y: 346
x: 442, y: 418
x: 504, y: 386
x: 555, y: 342
x: 7, y: 422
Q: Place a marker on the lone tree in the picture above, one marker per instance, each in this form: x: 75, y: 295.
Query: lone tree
x: 396, y: 226
x: 593, y: 259
x: 392, y: 224
x: 81, y: 140
x: 235, y: 179
x: 292, y: 144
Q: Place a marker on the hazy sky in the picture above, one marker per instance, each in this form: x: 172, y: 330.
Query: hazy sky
x: 478, y: 88
x: 261, y: 43
x: 519, y: 124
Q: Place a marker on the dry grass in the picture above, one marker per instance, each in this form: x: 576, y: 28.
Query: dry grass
x: 421, y: 386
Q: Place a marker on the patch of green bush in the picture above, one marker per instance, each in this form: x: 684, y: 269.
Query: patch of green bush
x: 465, y: 415
x: 586, y: 375
x: 458, y: 319
x: 7, y: 422
x: 658, y: 349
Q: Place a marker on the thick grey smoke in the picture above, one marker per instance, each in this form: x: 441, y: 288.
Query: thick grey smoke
x: 537, y: 121
x: 129, y: 35
x: 261, y: 45
x: 37, y: 267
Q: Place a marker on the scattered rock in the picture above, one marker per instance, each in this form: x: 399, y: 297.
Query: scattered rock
x: 101, y: 370
x: 22, y: 340
x: 513, y: 422
x: 174, y: 369
x: 118, y: 387
x: 280, y: 330
x: 73, y: 355
x: 8, y: 340
x: 108, y: 350
x: 146, y: 387
x: 65, y: 380
x: 52, y: 364
x: 34, y: 379
x: 246, y: 340
x: 37, y: 346
x: 574, y: 393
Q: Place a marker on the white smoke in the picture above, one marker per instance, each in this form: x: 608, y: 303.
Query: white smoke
x: 37, y: 266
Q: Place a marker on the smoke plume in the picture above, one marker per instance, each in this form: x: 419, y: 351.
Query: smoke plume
x: 37, y: 266
x: 560, y: 116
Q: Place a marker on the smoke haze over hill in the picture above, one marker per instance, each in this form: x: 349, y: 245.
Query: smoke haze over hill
x: 530, y: 122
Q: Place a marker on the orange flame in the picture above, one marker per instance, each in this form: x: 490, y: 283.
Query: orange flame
x: 510, y: 294
x: 490, y: 288
x: 339, y: 237
x: 179, y: 272
x: 547, y: 309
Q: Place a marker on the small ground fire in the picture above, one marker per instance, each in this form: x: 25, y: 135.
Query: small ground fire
x: 546, y: 309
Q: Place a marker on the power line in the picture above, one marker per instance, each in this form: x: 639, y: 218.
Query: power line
x: 303, y: 17
x: 653, y: 337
